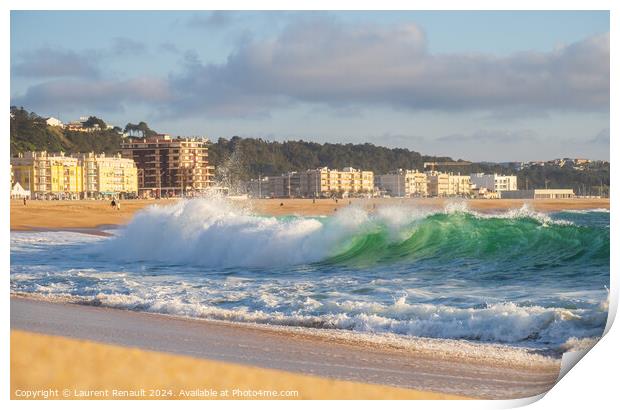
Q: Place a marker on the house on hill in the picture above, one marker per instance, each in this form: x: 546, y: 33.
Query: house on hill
x: 53, y: 122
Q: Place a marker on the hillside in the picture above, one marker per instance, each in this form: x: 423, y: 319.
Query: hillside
x: 29, y: 132
x: 240, y: 159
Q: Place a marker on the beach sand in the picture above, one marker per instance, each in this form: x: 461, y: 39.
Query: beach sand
x: 74, y: 369
x: 283, y: 350
x: 73, y: 214
x: 93, y: 214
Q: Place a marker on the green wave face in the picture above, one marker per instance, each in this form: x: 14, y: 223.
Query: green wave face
x: 454, y: 236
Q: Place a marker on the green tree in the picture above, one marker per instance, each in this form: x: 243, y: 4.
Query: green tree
x: 91, y: 122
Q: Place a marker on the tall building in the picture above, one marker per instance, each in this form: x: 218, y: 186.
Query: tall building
x: 169, y: 166
x: 326, y: 182
x: 405, y: 183
x: 115, y: 176
x: 495, y: 182
x: 442, y: 184
x: 44, y: 173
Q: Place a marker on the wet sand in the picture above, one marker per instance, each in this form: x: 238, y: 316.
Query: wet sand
x: 66, y: 368
x: 95, y: 214
x: 253, y: 345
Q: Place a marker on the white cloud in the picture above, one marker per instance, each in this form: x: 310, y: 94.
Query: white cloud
x: 326, y: 62
x: 348, y: 66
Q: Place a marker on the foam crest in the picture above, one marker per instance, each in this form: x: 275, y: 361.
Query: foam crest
x: 215, y: 232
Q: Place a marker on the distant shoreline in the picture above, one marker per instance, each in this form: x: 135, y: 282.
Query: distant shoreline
x: 89, y: 216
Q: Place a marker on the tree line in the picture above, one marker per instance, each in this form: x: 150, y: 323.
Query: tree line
x: 241, y: 159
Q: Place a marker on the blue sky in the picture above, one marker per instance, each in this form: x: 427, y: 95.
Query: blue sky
x: 496, y: 86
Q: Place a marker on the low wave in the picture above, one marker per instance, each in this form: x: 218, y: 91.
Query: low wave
x: 505, y: 323
x: 215, y: 233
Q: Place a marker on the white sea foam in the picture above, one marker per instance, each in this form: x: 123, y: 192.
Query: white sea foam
x: 496, y: 323
x: 217, y: 233
x: 586, y: 211
x: 575, y: 344
x: 525, y: 211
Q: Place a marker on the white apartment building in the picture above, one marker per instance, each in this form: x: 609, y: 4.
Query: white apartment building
x: 403, y: 183
x: 494, y: 182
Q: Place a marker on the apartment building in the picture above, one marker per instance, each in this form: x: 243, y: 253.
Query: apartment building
x: 45, y: 174
x: 323, y: 182
x: 57, y: 175
x: 403, y: 183
x: 169, y: 166
x: 494, y: 182
x: 442, y: 184
x: 108, y: 175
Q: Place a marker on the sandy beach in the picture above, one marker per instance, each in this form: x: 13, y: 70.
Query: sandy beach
x: 53, y: 367
x: 89, y: 215
x: 408, y: 373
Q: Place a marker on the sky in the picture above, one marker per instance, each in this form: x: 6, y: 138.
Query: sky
x: 474, y: 85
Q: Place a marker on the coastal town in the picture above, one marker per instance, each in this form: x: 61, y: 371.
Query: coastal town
x: 161, y: 166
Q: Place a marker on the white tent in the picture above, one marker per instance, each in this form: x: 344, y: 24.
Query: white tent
x: 19, y: 192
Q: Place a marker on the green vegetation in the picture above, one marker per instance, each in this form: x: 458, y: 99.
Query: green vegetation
x: 29, y: 132
x: 593, y: 180
x: 141, y: 130
x: 92, y: 121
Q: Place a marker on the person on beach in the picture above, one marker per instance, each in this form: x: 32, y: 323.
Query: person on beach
x: 118, y: 205
x: 24, y: 201
x: 113, y: 203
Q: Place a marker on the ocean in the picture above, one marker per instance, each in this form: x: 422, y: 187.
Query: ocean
x: 520, y: 279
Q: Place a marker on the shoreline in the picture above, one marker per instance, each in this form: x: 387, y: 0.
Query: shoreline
x: 305, y: 352
x: 149, y: 375
x: 492, y: 354
x: 90, y: 216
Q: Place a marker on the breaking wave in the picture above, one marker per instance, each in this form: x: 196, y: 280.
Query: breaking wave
x: 216, y: 233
